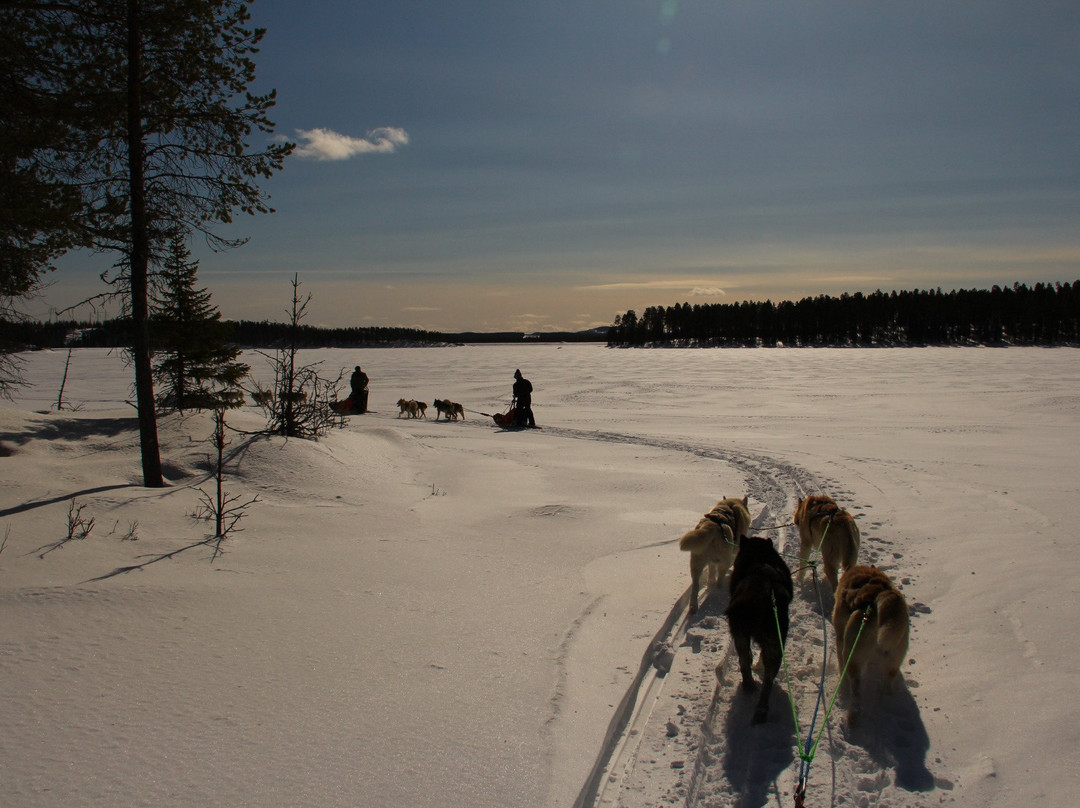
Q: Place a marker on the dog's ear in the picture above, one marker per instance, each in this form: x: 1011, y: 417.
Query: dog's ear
x: 746, y: 500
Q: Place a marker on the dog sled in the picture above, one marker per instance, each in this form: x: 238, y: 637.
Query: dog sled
x: 509, y: 419
x: 505, y: 419
x: 351, y: 405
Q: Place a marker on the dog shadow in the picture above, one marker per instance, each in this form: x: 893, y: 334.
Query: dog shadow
x: 891, y: 730
x: 756, y: 755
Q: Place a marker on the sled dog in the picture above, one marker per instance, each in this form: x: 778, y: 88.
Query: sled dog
x: 713, y: 542
x: 867, y: 599
x: 410, y: 408
x: 761, y: 591
x: 448, y: 408
x: 422, y: 409
x: 825, y: 526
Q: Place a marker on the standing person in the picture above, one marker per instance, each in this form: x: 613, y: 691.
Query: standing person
x: 523, y: 401
x: 359, y: 384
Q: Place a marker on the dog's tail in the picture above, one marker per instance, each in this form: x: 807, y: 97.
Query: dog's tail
x: 699, y: 538
x: 849, y: 553
x: 892, y: 620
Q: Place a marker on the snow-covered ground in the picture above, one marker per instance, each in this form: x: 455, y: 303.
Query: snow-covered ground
x: 422, y: 613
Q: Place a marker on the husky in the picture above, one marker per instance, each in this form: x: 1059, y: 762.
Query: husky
x: 867, y: 601
x: 409, y: 407
x: 761, y: 590
x: 713, y: 542
x: 826, y: 526
x: 448, y: 408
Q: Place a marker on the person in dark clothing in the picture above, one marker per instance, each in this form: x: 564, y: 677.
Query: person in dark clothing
x: 359, y: 384
x: 523, y: 401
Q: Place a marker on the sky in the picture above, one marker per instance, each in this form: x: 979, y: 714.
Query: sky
x: 549, y: 165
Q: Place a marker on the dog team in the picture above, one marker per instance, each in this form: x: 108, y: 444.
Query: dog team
x: 418, y: 409
x: 870, y: 615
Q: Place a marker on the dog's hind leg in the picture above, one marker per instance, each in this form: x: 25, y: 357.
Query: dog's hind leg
x: 746, y: 659
x: 697, y: 565
x: 806, y: 543
x: 830, y: 560
x: 772, y: 657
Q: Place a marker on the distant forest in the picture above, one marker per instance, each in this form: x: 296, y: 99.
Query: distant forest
x: 247, y: 334
x: 1045, y: 314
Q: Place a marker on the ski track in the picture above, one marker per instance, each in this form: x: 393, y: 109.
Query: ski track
x: 728, y: 762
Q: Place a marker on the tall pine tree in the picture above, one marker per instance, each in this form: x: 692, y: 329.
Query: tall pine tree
x: 150, y: 122
x: 194, y: 365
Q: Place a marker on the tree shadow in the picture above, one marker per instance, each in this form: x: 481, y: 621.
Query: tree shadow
x: 72, y: 429
x: 60, y: 428
x: 41, y: 503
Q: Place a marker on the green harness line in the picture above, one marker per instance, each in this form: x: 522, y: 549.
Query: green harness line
x: 821, y: 543
x: 808, y: 750
x: 776, y: 527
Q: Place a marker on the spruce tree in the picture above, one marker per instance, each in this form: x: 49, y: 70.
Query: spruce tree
x: 195, y: 367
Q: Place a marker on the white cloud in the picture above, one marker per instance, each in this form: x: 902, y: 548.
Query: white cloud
x: 324, y: 144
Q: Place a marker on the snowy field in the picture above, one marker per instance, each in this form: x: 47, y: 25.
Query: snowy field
x: 422, y: 613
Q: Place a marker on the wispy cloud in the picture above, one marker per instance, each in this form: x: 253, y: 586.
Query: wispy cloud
x: 707, y: 291
x: 694, y: 287
x: 325, y: 144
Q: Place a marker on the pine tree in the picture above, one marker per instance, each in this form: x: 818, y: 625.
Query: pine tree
x: 194, y: 366
x: 153, y: 127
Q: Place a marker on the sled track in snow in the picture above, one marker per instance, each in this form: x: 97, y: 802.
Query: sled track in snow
x: 731, y: 763
x: 769, y: 482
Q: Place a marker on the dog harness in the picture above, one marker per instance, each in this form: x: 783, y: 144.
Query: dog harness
x: 721, y: 520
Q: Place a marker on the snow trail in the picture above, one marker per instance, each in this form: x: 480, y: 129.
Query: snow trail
x: 718, y: 758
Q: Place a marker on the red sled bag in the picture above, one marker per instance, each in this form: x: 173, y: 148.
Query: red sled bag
x: 505, y: 419
x: 342, y: 407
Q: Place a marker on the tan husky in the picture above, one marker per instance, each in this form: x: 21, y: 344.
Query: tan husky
x: 828, y: 528
x: 871, y: 622
x: 451, y: 409
x: 713, y: 542
x: 414, y: 409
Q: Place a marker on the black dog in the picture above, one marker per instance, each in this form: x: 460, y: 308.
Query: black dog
x: 759, y: 580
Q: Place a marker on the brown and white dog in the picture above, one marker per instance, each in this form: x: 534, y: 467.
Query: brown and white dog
x: 713, y: 542
x: 872, y: 624
x: 414, y: 409
x: 448, y: 408
x: 828, y: 528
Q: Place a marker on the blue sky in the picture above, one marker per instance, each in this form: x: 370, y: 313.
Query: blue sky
x: 546, y: 165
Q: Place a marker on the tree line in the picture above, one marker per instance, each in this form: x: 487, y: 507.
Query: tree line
x: 21, y: 335
x: 1044, y: 314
